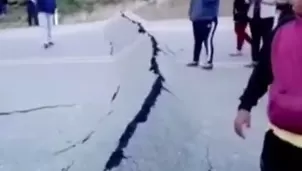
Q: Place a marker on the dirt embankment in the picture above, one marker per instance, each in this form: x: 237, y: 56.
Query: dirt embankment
x: 75, y: 11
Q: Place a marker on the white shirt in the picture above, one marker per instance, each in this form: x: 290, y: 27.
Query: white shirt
x: 266, y: 11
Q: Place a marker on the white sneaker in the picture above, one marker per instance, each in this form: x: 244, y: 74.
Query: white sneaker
x: 207, y: 66
x: 236, y: 54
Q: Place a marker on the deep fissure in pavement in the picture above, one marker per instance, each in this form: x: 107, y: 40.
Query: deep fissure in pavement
x: 142, y: 116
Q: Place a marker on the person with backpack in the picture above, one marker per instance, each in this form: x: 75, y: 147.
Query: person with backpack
x: 47, y: 10
x: 279, y: 71
x: 261, y: 15
x: 203, y: 14
x: 32, y: 13
x: 241, y: 20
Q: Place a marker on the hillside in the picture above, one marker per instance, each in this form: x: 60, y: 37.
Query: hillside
x: 75, y: 11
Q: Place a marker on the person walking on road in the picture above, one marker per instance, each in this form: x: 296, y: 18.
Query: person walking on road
x: 203, y: 14
x: 47, y: 10
x: 241, y: 20
x: 3, y: 7
x: 280, y: 70
x: 32, y: 13
x: 261, y: 16
x: 285, y: 8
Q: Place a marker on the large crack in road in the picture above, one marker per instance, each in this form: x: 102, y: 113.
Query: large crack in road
x: 150, y: 101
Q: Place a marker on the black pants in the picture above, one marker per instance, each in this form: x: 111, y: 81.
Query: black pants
x: 278, y: 155
x: 32, y: 13
x: 203, y: 31
x: 260, y: 29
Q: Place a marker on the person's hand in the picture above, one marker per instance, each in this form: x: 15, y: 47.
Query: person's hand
x: 242, y: 120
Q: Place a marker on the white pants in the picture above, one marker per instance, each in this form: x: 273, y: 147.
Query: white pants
x: 46, y: 21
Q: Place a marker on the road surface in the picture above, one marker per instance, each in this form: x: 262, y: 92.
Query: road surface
x: 92, y: 103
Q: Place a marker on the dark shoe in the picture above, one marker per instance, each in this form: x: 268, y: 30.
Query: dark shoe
x: 207, y: 66
x: 48, y: 45
x: 51, y: 44
x: 192, y: 64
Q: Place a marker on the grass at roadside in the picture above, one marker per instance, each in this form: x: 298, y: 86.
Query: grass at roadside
x: 73, y: 10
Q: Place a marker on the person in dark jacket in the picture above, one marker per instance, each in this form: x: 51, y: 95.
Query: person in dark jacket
x: 203, y: 14
x: 241, y: 20
x: 47, y: 10
x: 285, y: 8
x: 279, y: 70
x: 3, y: 7
x: 261, y: 20
x: 32, y: 13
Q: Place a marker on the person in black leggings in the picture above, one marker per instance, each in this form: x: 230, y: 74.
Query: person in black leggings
x: 204, y: 31
x: 261, y: 16
x: 32, y: 12
x: 203, y: 14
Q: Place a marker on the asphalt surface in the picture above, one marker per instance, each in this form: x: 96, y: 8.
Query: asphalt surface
x: 85, y: 104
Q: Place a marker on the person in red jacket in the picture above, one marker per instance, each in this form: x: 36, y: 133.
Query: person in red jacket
x: 241, y: 20
x: 279, y: 70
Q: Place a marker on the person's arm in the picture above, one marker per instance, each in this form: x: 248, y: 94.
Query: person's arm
x: 259, y: 81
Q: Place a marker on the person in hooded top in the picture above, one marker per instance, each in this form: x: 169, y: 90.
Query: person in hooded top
x: 279, y: 72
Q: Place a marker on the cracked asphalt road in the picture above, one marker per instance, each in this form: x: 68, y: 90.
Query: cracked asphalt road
x: 184, y: 114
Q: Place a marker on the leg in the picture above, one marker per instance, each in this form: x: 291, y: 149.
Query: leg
x: 197, y: 25
x: 267, y: 27
x: 240, y: 32
x: 35, y: 17
x: 256, y: 38
x: 29, y: 13
x: 211, y: 34
x: 29, y: 19
x: 48, y: 29
x: 246, y: 36
x: 206, y: 45
x: 49, y: 23
x: 278, y: 155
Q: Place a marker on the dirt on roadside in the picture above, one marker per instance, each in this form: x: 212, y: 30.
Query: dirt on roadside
x: 175, y: 9
x: 166, y: 9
